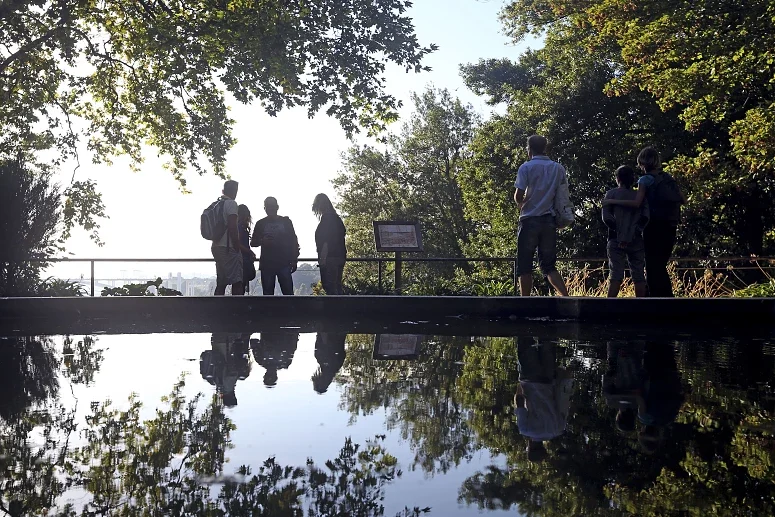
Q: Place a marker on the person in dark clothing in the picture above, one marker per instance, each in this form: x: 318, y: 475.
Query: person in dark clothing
x: 623, y: 382
x: 248, y: 257
x: 329, y: 239
x: 330, y: 354
x: 274, y: 351
x: 663, y: 395
x: 625, y: 235
x: 279, y: 249
x: 665, y: 200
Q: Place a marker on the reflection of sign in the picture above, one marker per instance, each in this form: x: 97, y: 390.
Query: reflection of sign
x: 397, y: 346
x: 397, y: 236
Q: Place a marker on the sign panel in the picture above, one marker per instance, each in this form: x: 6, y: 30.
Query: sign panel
x: 397, y: 346
x: 397, y: 236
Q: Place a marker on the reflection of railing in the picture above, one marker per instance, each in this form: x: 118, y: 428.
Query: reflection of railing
x: 706, y: 264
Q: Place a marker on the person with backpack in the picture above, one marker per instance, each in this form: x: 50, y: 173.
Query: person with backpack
x: 665, y: 199
x: 219, y: 225
x: 279, y: 249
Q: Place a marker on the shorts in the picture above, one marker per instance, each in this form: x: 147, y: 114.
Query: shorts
x: 537, y: 233
x: 634, y: 254
x: 228, y: 265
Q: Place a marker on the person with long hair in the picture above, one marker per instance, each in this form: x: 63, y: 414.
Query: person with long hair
x: 244, y: 221
x: 664, y: 199
x: 329, y: 239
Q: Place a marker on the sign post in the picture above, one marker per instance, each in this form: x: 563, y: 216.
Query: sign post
x: 398, y: 236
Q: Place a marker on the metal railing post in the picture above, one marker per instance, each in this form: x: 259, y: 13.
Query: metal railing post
x: 92, y: 278
x: 516, y: 278
x: 379, y: 275
x: 398, y: 272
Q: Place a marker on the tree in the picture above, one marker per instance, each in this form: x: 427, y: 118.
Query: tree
x: 35, y: 223
x: 157, y: 72
x: 415, y: 178
x: 709, y: 65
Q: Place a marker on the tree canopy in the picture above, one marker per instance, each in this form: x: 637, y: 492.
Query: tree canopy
x: 158, y: 72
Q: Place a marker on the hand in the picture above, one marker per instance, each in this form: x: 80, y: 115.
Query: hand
x: 322, y: 261
x: 623, y: 245
x: 253, y: 254
x: 294, y: 267
x: 519, y: 397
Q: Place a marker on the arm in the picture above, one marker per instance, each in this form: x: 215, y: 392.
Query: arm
x: 258, y: 233
x: 234, y: 232
x: 634, y: 203
x: 520, y: 184
x: 519, y: 196
x: 295, y: 241
x: 608, y: 215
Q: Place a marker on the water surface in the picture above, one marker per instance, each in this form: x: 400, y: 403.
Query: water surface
x: 286, y: 423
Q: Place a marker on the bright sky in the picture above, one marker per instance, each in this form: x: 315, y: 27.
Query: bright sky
x: 289, y: 156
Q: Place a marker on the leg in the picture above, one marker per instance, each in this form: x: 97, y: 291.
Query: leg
x: 285, y: 278
x: 267, y: 281
x: 338, y: 274
x: 547, y: 254
x: 238, y: 289
x: 326, y: 279
x: 616, y: 257
x: 527, y: 242
x: 659, y: 239
x: 220, y: 278
x: 636, y: 257
x: 613, y: 287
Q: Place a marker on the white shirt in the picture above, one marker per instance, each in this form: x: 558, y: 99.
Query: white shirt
x: 539, y: 178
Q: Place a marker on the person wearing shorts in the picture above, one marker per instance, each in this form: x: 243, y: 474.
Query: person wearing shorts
x: 625, y: 235
x: 536, y: 187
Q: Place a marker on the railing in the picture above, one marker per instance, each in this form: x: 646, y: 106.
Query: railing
x: 381, y: 261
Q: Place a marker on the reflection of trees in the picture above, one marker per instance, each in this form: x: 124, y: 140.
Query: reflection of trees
x: 715, y: 459
x: 34, y: 430
x: 164, y: 466
x: 419, y: 396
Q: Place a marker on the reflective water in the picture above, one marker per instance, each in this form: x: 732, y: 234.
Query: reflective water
x: 282, y: 423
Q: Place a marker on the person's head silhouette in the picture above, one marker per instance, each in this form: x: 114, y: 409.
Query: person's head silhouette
x: 536, y: 451
x: 270, y: 377
x: 271, y: 206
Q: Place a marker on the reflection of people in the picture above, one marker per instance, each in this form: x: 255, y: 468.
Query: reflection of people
x: 330, y: 354
x: 662, y: 395
x: 226, y: 363
x: 329, y: 238
x: 274, y: 351
x: 623, y: 382
x: 279, y: 249
x: 543, y: 394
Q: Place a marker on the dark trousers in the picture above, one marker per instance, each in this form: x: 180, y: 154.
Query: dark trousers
x: 659, y: 239
x: 282, y: 274
x: 331, y: 275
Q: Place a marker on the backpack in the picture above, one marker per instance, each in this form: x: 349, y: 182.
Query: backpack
x: 563, y: 207
x: 212, y: 225
x: 664, y: 199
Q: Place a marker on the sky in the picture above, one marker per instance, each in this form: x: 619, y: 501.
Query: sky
x: 290, y: 157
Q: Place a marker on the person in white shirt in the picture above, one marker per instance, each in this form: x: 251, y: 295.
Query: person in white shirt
x: 542, y: 399
x: 536, y: 187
